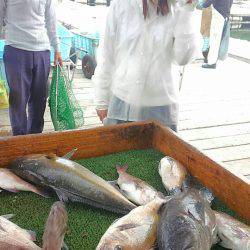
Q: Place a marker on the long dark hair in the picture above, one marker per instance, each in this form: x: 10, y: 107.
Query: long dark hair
x: 162, y: 7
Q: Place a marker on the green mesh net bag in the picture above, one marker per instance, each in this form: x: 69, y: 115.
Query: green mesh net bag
x: 65, y: 111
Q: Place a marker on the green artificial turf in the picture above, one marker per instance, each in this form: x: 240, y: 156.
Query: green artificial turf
x: 86, y: 224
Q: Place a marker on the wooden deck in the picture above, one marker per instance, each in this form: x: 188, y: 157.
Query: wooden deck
x: 214, y: 112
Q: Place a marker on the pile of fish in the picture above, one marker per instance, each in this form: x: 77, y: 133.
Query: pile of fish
x: 181, y: 220
x: 12, y: 237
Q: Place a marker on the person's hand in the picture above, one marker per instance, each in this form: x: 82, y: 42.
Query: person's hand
x: 58, y: 59
x: 102, y: 114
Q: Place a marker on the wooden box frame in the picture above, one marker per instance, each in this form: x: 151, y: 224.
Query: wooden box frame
x: 229, y: 187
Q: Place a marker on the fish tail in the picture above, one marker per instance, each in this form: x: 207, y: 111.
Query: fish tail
x: 40, y: 192
x: 121, y: 169
x: 32, y: 234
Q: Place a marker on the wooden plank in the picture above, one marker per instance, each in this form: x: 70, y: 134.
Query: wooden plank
x: 229, y: 153
x: 90, y: 143
x: 212, y: 122
x: 239, y: 166
x: 215, y: 132
x: 238, y: 102
x: 222, y: 182
x: 224, y: 113
x: 222, y: 142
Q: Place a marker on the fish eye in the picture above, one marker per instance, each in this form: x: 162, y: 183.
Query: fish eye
x: 118, y: 247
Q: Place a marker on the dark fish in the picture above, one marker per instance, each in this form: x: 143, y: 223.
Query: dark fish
x: 187, y: 222
x: 55, y: 228
x: 71, y: 181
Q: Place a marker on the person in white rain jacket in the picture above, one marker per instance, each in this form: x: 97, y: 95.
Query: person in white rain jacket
x: 143, y: 39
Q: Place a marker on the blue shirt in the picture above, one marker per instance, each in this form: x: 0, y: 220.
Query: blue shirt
x: 30, y: 24
x: 222, y: 6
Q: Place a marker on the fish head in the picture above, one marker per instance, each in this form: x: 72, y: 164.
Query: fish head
x: 180, y: 233
x: 56, y: 226
x: 166, y: 164
x: 35, y: 168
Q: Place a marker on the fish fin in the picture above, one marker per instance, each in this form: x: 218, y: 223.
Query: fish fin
x: 116, y: 186
x: 8, y: 216
x: 113, y: 183
x: 12, y: 190
x: 159, y: 168
x: 192, y: 182
x: 174, y: 191
x: 115, y: 221
x: 197, y: 210
x: 51, y: 156
x: 161, y: 195
x: 32, y: 234
x: 64, y: 246
x: 207, y: 194
x: 121, y: 169
x: 185, y: 184
x: 63, y: 196
x: 161, y: 209
x: 43, y: 193
x: 70, y: 154
x: 66, y: 196
x: 128, y: 226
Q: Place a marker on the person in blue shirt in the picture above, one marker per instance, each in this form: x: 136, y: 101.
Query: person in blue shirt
x: 220, y: 14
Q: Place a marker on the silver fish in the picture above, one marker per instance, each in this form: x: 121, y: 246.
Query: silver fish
x: 172, y: 173
x: 12, y: 237
x: 71, y: 181
x: 55, y: 228
x: 187, y: 222
x: 136, y: 190
x: 136, y: 230
x: 12, y: 183
x: 232, y: 233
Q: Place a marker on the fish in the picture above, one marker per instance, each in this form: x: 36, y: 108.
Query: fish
x: 232, y: 233
x: 55, y: 228
x: 71, y: 181
x: 192, y: 182
x: 12, y: 183
x: 136, y: 230
x: 187, y: 222
x: 173, y: 174
x: 135, y: 189
x: 12, y: 237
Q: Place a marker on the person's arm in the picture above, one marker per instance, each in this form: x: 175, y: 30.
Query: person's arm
x: 51, y: 24
x: 105, y: 64
x: 2, y: 16
x: 186, y: 42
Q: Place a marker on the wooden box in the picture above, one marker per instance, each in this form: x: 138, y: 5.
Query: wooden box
x: 228, y: 187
